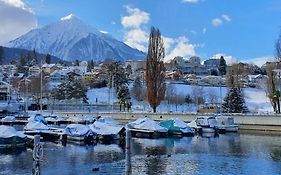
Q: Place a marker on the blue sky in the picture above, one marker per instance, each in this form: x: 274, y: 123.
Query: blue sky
x: 239, y: 29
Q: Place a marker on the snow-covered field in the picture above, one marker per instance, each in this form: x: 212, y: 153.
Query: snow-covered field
x: 256, y: 99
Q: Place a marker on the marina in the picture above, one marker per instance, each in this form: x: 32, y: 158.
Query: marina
x: 233, y: 153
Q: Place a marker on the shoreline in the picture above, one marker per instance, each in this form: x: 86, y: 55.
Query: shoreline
x: 264, y: 123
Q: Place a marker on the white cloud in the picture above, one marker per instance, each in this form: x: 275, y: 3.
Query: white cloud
x: 226, y: 17
x: 16, y: 19
x: 204, y: 30
x: 191, y: 1
x: 217, y: 22
x: 135, y: 19
x: 182, y: 48
x: 228, y: 58
x: 137, y: 38
x: 102, y: 31
x: 260, y: 60
x: 168, y: 42
x: 135, y: 35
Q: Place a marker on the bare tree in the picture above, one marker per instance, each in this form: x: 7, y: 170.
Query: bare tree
x: 212, y: 97
x: 271, y: 92
x: 155, y: 70
x: 235, y: 75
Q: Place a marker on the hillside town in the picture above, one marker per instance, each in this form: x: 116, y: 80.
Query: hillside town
x: 29, y: 79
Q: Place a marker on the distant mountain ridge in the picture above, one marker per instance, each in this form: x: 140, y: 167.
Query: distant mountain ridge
x: 71, y: 39
x: 13, y: 54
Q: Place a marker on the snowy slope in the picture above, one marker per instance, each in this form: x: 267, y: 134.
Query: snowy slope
x: 256, y: 99
x: 70, y: 39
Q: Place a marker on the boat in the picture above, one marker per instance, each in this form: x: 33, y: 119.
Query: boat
x: 227, y: 122
x: 37, y: 118
x: 81, y: 119
x: 79, y: 133
x: 55, y: 119
x: 107, y: 129
x: 205, y: 124
x: 146, y: 127
x: 176, y: 126
x: 9, y: 136
x: 36, y: 126
x: 8, y: 118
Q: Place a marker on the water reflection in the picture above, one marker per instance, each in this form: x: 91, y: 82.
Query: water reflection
x: 226, y: 154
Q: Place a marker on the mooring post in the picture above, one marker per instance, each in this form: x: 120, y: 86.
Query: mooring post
x: 37, y: 155
x: 128, y: 168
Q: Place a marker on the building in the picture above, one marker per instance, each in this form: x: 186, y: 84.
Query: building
x: 34, y: 70
x: 212, y: 64
x: 138, y: 67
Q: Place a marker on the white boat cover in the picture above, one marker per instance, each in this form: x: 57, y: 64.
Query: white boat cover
x: 147, y: 124
x: 78, y: 130
x: 9, y: 131
x: 37, y: 118
x: 55, y: 119
x: 36, y: 126
x: 193, y: 124
x: 102, y: 128
x: 9, y: 118
x: 109, y: 120
x: 81, y: 119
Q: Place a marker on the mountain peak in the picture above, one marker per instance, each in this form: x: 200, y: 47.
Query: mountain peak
x: 71, y: 38
x: 68, y: 17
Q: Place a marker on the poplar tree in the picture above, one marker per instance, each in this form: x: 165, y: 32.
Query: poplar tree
x: 155, y: 70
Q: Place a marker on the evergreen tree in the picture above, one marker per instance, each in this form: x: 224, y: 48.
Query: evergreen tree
x: 22, y: 64
x: 1, y: 55
x: 234, y: 102
x: 137, y: 90
x: 222, y: 66
x: 129, y: 71
x: 91, y: 65
x: 70, y: 90
x: 76, y: 63
x: 48, y: 59
x: 123, y: 93
x: 117, y: 74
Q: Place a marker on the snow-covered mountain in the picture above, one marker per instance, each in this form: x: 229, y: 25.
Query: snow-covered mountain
x: 71, y: 39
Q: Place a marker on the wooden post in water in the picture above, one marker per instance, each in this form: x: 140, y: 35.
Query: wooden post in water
x: 128, y: 168
x: 37, y: 155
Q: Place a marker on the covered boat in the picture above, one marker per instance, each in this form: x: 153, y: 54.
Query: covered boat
x: 37, y: 118
x: 176, y: 126
x: 81, y: 119
x: 79, y: 132
x: 227, y: 122
x: 107, y: 129
x: 36, y: 126
x: 9, y: 136
x: 146, y: 127
x: 205, y: 124
x: 8, y: 118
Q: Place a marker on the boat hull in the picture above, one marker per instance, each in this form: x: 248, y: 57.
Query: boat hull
x: 12, y: 141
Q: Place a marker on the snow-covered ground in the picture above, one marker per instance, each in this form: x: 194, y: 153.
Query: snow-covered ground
x: 256, y: 99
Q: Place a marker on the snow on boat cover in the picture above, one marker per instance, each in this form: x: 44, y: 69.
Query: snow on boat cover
x: 147, y: 124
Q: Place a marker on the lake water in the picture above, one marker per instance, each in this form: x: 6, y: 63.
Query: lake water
x: 226, y: 154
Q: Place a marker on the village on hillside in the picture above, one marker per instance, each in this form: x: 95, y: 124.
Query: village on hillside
x: 31, y: 83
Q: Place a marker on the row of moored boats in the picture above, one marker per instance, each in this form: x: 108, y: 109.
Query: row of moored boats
x: 108, y: 129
